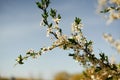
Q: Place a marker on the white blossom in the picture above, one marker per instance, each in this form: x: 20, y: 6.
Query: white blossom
x: 57, y: 20
x: 30, y: 51
x: 113, y: 42
x: 93, y: 77
x: 101, y: 4
x: 76, y: 27
x: 48, y: 31
x: 113, y: 13
x: 61, y: 41
x: 113, y: 16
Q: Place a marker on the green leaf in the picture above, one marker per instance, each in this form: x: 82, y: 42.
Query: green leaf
x: 71, y: 54
x: 45, y: 21
x: 72, y: 41
x: 43, y: 1
x: 20, y: 59
x: 88, y: 43
x: 47, y: 3
x: 64, y: 46
x: 77, y: 20
x: 50, y: 25
x: 113, y: 67
x: 102, y: 55
x: 59, y: 17
x: 45, y: 15
x: 39, y: 5
x: 53, y: 13
x: 28, y: 53
x: 97, y: 69
x: 105, y: 10
x: 60, y: 30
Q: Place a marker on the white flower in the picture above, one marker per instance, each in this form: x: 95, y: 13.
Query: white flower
x: 18, y: 59
x: 108, y: 37
x: 93, y: 77
x: 51, y: 47
x: 76, y: 61
x: 101, y: 4
x: 56, y: 26
x: 114, y: 43
x: 30, y: 51
x: 78, y: 37
x: 113, y: 16
x: 76, y: 27
x: 57, y: 20
x: 44, y: 49
x: 90, y: 48
x: 58, y: 33
x: 48, y: 31
x: 118, y: 47
x: 113, y: 13
x: 61, y: 41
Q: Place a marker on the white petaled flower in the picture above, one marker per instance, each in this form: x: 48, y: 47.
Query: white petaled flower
x: 93, y: 77
x: 108, y: 37
x: 60, y: 41
x: 44, y: 49
x: 113, y: 16
x: 90, y: 48
x: 76, y: 27
x: 58, y: 33
x: 73, y: 28
x: 80, y: 26
x: 114, y: 43
x: 76, y: 61
x: 18, y: 59
x: 56, y: 26
x: 48, y: 31
x: 101, y: 4
x: 113, y: 13
x: 51, y: 47
x: 78, y: 37
x: 57, y: 20
x: 118, y: 47
x: 30, y: 51
x: 82, y: 43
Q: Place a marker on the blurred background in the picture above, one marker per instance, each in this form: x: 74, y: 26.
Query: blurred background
x: 20, y: 31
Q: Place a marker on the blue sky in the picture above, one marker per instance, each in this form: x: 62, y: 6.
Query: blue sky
x: 20, y: 31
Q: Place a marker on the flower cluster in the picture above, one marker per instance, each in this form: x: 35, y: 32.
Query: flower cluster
x: 112, y: 7
x: 77, y: 42
x: 113, y: 42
